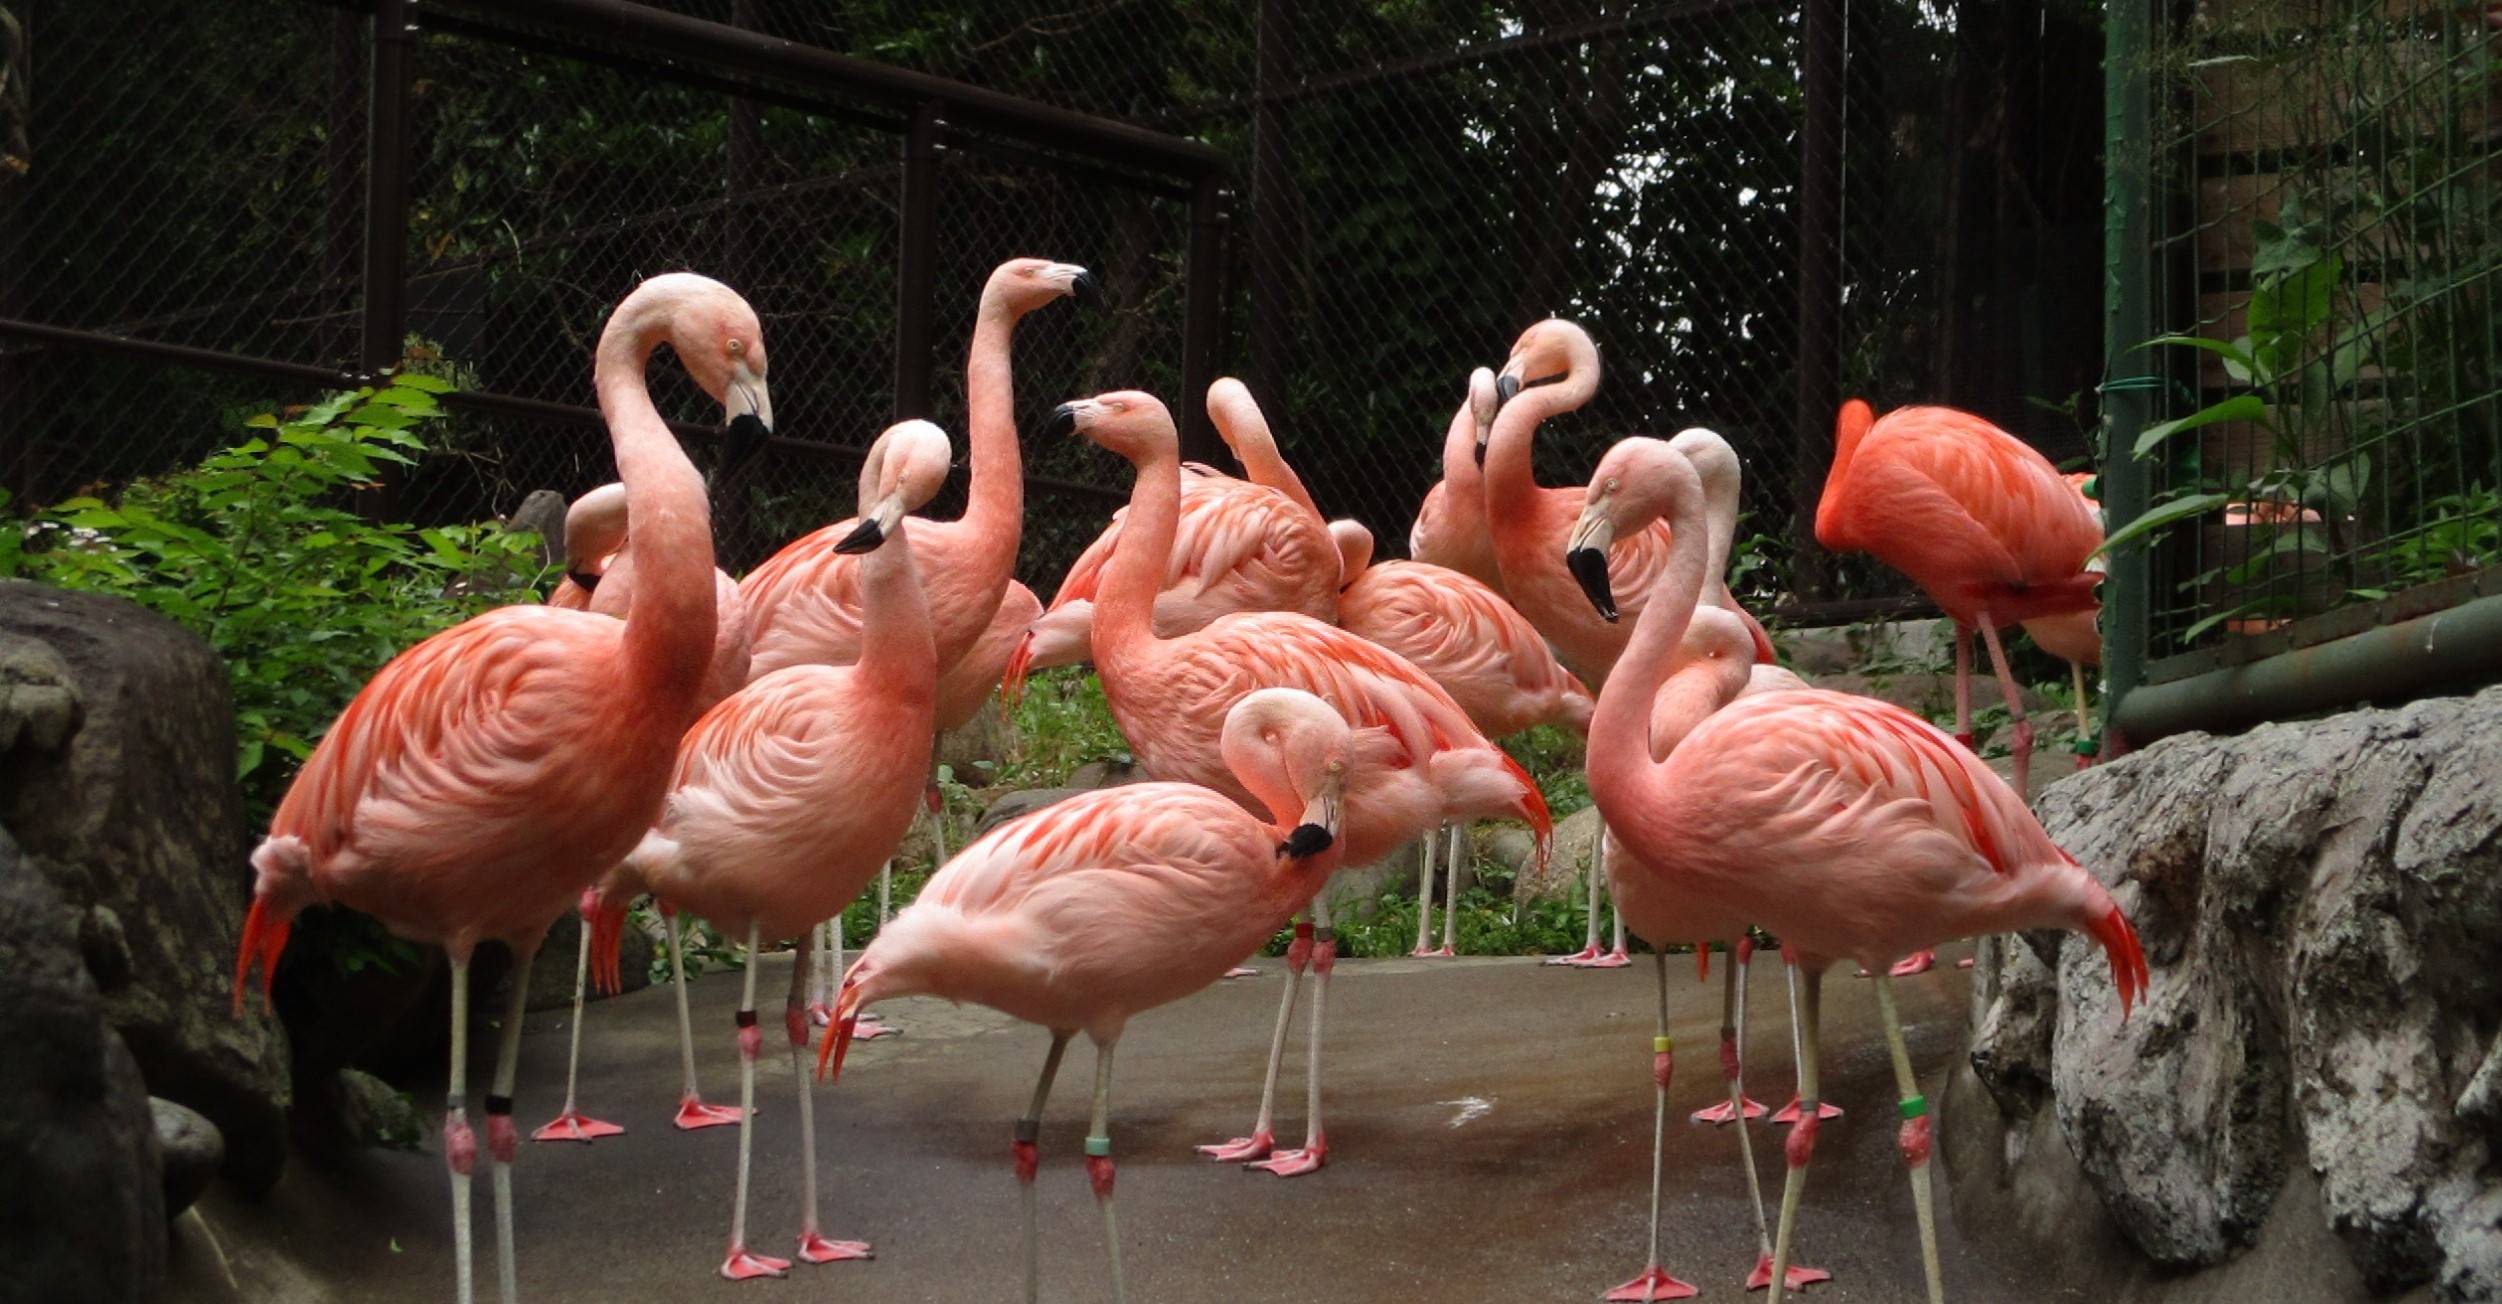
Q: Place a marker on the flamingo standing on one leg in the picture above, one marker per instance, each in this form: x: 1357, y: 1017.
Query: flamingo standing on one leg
x: 788, y: 795
x: 1085, y: 914
x: 599, y: 579
x: 2076, y: 636
x: 1170, y: 697
x: 484, y: 777
x: 1450, y: 529
x: 1850, y: 826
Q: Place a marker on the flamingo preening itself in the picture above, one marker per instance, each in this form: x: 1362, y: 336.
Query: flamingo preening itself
x: 483, y: 778
x: 788, y: 796
x: 1852, y: 828
x: 1089, y: 912
x: 1984, y: 525
x: 1170, y: 696
x: 1450, y: 528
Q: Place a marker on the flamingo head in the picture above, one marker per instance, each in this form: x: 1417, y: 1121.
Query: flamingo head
x: 904, y: 470
x: 595, y: 531
x: 1130, y: 422
x: 1293, y: 752
x: 1721, y: 639
x: 1639, y: 481
x: 1024, y: 284
x: 1485, y: 397
x: 717, y: 336
x: 1355, y: 550
x: 1553, y: 349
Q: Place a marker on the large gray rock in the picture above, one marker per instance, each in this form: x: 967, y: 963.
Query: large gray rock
x: 82, y: 1216
x: 2322, y: 907
x: 190, y: 1149
x: 1567, y: 866
x: 136, y: 821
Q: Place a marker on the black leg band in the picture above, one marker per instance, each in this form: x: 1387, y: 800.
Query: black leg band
x: 1029, y: 1130
x: 747, y: 1018
x: 499, y: 1105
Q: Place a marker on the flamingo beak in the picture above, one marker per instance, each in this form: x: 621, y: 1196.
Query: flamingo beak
x: 838, y: 1037
x: 747, y: 408
x: 1318, y: 831
x: 1585, y: 555
x: 875, y: 528
x: 1084, y: 288
x: 1063, y: 420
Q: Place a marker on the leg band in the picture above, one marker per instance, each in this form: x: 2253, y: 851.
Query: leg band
x: 1098, y: 1147
x: 747, y: 1018
x: 1029, y: 1130
x: 499, y: 1105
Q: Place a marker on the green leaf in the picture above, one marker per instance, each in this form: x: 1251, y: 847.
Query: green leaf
x: 2235, y: 354
x: 2159, y: 516
x: 2240, y: 407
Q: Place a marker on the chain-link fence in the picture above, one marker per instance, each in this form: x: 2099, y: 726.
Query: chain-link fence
x: 2329, y: 223
x: 1755, y: 205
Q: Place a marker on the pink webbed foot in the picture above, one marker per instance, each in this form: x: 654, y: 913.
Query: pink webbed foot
x: 1788, y: 1114
x: 693, y: 1113
x: 1918, y: 962
x: 743, y: 1266
x: 1432, y: 953
x: 1584, y: 958
x: 822, y: 1015
x: 1255, y: 1146
x: 1295, y: 1163
x: 1964, y: 963
x: 814, y: 1248
x: 1797, y: 1278
x: 870, y: 1027
x: 1652, y: 1283
x: 1240, y: 971
x: 574, y: 1126
x: 1610, y: 960
x: 1721, y: 1114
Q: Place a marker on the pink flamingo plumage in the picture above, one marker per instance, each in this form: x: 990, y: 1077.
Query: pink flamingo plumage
x: 599, y: 579
x: 1089, y: 912
x: 1240, y: 545
x: 1450, y: 529
x: 1170, y: 696
x: 788, y: 795
x: 2076, y: 636
x: 484, y: 777
x: 1981, y: 522
x: 1851, y: 827
x: 803, y: 603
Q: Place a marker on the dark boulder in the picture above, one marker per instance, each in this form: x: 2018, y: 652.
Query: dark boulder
x: 191, y: 1149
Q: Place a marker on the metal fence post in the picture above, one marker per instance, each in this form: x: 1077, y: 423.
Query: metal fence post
x: 1201, y: 316
x: 2128, y: 397
x: 386, y: 190
x: 916, y: 263
x: 1819, y: 361
x: 1270, y: 197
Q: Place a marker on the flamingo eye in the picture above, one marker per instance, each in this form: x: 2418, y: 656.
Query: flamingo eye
x: 1612, y: 484
x: 737, y: 347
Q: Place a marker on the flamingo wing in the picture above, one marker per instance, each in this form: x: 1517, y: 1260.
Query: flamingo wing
x: 803, y: 604
x: 1156, y: 830
x: 1453, y: 628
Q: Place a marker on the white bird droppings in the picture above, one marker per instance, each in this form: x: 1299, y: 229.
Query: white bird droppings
x: 1470, y: 1109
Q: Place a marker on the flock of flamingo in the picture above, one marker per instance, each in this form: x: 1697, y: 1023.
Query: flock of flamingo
x: 754, y: 751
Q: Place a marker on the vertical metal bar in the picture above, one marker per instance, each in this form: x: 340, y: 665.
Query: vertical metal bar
x: 1203, y: 302
x: 386, y: 188
x: 916, y: 263
x: 341, y: 233
x: 1271, y: 208
x: 2128, y: 397
x: 1819, y: 358
x: 743, y: 171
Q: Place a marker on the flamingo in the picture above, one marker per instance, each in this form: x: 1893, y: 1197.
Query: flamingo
x: 1450, y: 529
x: 1255, y: 544
x: 1529, y: 524
x: 788, y: 795
x: 1170, y: 696
x: 2076, y: 636
x: 1981, y: 522
x: 481, y: 779
x: 1087, y: 913
x: 1853, y: 828
x: 599, y: 579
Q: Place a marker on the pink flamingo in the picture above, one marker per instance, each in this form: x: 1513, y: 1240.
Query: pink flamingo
x: 1981, y: 522
x: 2076, y: 636
x: 1450, y: 529
x: 804, y: 602
x: 1850, y: 826
x: 789, y: 794
x: 1255, y: 544
x: 599, y: 579
x: 484, y: 777
x: 1170, y: 696
x: 1085, y: 914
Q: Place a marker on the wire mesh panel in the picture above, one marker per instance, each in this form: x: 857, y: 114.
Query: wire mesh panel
x: 2328, y: 262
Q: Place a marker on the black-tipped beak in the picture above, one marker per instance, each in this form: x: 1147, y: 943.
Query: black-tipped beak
x: 587, y: 581
x: 744, y: 439
x: 1306, y: 840
x: 1505, y: 388
x: 1082, y: 287
x: 1063, y: 421
x: 866, y: 538
x: 1481, y: 452
x: 1589, y: 565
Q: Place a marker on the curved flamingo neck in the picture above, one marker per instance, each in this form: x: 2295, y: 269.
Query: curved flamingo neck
x: 1245, y: 431
x: 1625, y: 748
x: 1125, y: 597
x: 1848, y: 428
x: 670, y: 616
x: 1463, y: 489
x: 897, y: 647
x: 994, y: 508
x: 1511, y: 485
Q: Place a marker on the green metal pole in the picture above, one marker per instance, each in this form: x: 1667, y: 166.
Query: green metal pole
x: 2130, y: 381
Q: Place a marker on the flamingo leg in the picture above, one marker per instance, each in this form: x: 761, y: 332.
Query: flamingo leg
x: 814, y: 1247
x: 1028, y: 1162
x: 1802, y: 1141
x: 1653, y: 1282
x: 1915, y: 1139
x: 2022, y: 727
x: 885, y: 893
x: 1963, y: 686
x: 1450, y: 894
x: 1788, y: 1114
x: 1796, y: 1277
x: 1732, y: 1050
x: 1589, y: 956
x: 1263, y: 1137
x: 693, y: 1113
x: 741, y: 1265
x: 1424, y: 895
x: 502, y: 1139
x: 1099, y: 1162
x: 1315, y: 1150
x: 569, y: 1124
x: 2084, y: 716
x: 460, y: 1145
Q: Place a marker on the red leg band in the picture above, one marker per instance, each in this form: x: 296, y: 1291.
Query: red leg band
x: 460, y: 1145
x: 1028, y: 1162
x: 1915, y: 1141
x: 1802, y: 1142
x: 502, y: 1138
x: 1099, y: 1172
